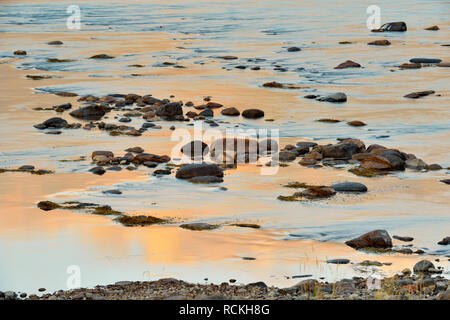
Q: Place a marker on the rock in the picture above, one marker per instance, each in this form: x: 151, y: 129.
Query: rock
x: 230, y: 112
x: 433, y: 166
x: 101, y: 56
x: 287, y: 156
x: 338, y: 97
x: 228, y: 57
x: 97, y: 170
x: 432, y: 28
x: 416, y: 95
x: 341, y: 150
x: 55, y: 43
x: 308, y: 286
x: 213, y: 105
x: 368, y: 263
x: 27, y: 167
x: 444, y: 295
x: 338, y: 261
x: 107, y: 154
x: 349, y: 187
x: 376, y: 163
x: 446, y: 181
x: 253, y: 113
x: 195, y: 149
x: 94, y: 112
x: 114, y: 191
x: 444, y: 241
x: 196, y: 170
x: 293, y: 49
x: 410, y: 66
x: 356, y: 123
x: 52, y: 123
x: 416, y: 164
x: 170, y: 110
x: 372, y: 239
x: 425, y: 60
x: 314, y: 192
x: 20, y: 53
x: 135, y: 150
x: 207, y: 113
x: 423, y: 266
x: 150, y: 164
x: 48, y: 205
x: 305, y: 144
x: 161, y: 172
x: 392, y: 27
x: 206, y: 179
x: 146, y: 157
x: 199, y: 226
x: 444, y: 64
x: 383, y: 42
x: 348, y: 64
x: 124, y: 119
x: 191, y: 114
x: 405, y: 239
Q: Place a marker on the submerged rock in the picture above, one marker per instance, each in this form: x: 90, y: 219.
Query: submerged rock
x: 315, y: 192
x: 199, y: 226
x: 338, y: 261
x: 206, y: 179
x: 392, y: 27
x: 372, y: 239
x: 131, y: 221
x: 348, y: 64
x: 418, y: 94
x: 383, y: 42
x: 48, y: 205
x: 338, y: 97
x: 405, y: 239
x: 101, y: 56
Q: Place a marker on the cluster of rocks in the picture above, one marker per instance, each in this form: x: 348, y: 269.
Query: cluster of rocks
x: 402, y: 286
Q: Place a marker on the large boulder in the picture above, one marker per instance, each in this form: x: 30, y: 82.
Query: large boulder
x: 372, y: 239
x: 94, y: 112
x: 423, y: 266
x: 170, y: 110
x: 189, y: 171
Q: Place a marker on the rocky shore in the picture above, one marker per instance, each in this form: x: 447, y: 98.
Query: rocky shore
x: 405, y: 285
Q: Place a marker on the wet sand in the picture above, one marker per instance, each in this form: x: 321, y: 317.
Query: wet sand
x: 295, y: 238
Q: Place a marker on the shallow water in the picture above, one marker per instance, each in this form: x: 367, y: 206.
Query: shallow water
x: 296, y: 238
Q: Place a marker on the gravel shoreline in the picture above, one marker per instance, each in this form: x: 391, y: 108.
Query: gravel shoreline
x: 402, y: 286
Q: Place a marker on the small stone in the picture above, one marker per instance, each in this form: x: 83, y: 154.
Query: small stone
x: 198, y: 226
x: 293, y: 49
x: 253, y: 113
x: 405, y: 239
x: 338, y: 261
x: 383, y: 42
x: 348, y: 64
x: 349, y: 187
x: 444, y: 241
x: 97, y: 170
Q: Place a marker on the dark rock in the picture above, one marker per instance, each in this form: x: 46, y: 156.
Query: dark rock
x: 258, y: 284
x: 97, y: 170
x: 446, y: 181
x: 27, y: 167
x: 383, y: 42
x: 338, y: 97
x: 162, y: 172
x: 432, y: 28
x: 423, y: 266
x: 93, y: 112
x: 52, y: 123
x: 20, y: 53
x: 195, y: 149
x: 425, y: 60
x: 195, y: 170
x: 348, y: 64
x: 170, y: 110
x: 338, y: 261
x: 340, y: 150
x: 318, y: 192
x: 145, y: 157
x: 230, y: 112
x: 55, y: 43
x: 253, y: 113
x: 392, y: 27
x: 372, y: 239
x: 287, y: 156
x: 135, y: 150
x: 349, y: 187
x: 356, y: 123
x: 124, y: 119
x: 206, y: 179
x: 406, y: 239
x: 207, y: 113
x: 376, y: 163
x: 114, y: 191
x: 101, y: 56
x: 418, y: 94
x: 294, y: 49
x: 199, y: 226
x: 150, y: 164
x: 444, y: 241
